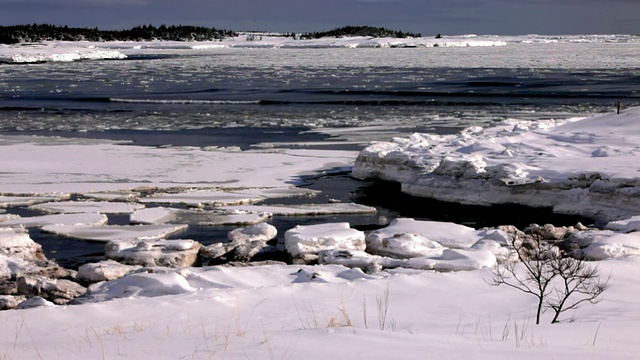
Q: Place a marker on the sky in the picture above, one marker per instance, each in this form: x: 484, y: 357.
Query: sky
x: 428, y: 17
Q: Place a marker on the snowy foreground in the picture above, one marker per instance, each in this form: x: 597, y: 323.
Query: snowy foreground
x: 413, y: 289
x: 73, y: 51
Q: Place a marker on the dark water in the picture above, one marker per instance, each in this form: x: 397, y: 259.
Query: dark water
x: 243, y: 98
x: 258, y: 89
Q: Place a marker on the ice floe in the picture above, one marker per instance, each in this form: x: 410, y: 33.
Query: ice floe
x: 244, y: 243
x: 57, y: 219
x: 221, y: 198
x: 308, y: 209
x: 163, y: 215
x: 41, y: 165
x: 103, y: 207
x: 423, y: 234
x: 108, y: 233
x: 7, y: 201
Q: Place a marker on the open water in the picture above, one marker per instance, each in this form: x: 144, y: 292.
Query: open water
x: 243, y: 97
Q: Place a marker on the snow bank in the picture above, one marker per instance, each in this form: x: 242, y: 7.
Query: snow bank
x: 56, y: 51
x: 615, y: 246
x: 163, y: 281
x: 577, y: 167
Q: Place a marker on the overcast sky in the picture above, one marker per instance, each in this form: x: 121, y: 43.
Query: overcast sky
x: 502, y: 17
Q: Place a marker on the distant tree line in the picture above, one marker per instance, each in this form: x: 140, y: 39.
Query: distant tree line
x: 366, y: 31
x: 43, y: 32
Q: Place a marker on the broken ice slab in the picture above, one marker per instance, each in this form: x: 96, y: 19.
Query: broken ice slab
x: 162, y: 215
x: 57, y: 219
x: 169, y: 253
x: 444, y: 233
x: 103, y: 207
x: 111, y: 196
x: 222, y: 198
x: 8, y: 201
x: 108, y: 233
x: 309, y: 209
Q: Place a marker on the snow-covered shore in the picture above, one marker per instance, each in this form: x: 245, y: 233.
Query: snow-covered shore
x: 82, y: 50
x: 583, y: 166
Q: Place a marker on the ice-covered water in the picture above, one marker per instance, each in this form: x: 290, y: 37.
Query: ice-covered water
x: 416, y: 89
x: 244, y: 96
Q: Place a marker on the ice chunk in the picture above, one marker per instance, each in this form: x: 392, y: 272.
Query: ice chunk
x: 616, y: 246
x: 34, y: 302
x: 311, y: 239
x: 138, y: 284
x: 257, y: 232
x: 626, y: 225
x: 16, y: 242
x: 149, y: 253
x: 444, y: 233
x: 404, y: 245
x: 161, y: 215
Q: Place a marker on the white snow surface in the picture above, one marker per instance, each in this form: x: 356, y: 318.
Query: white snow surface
x: 39, y: 165
x: 581, y: 166
x: 294, y: 311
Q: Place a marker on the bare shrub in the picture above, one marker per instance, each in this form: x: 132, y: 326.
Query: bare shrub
x: 558, y: 282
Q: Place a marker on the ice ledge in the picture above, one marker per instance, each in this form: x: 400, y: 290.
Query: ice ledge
x: 581, y: 167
